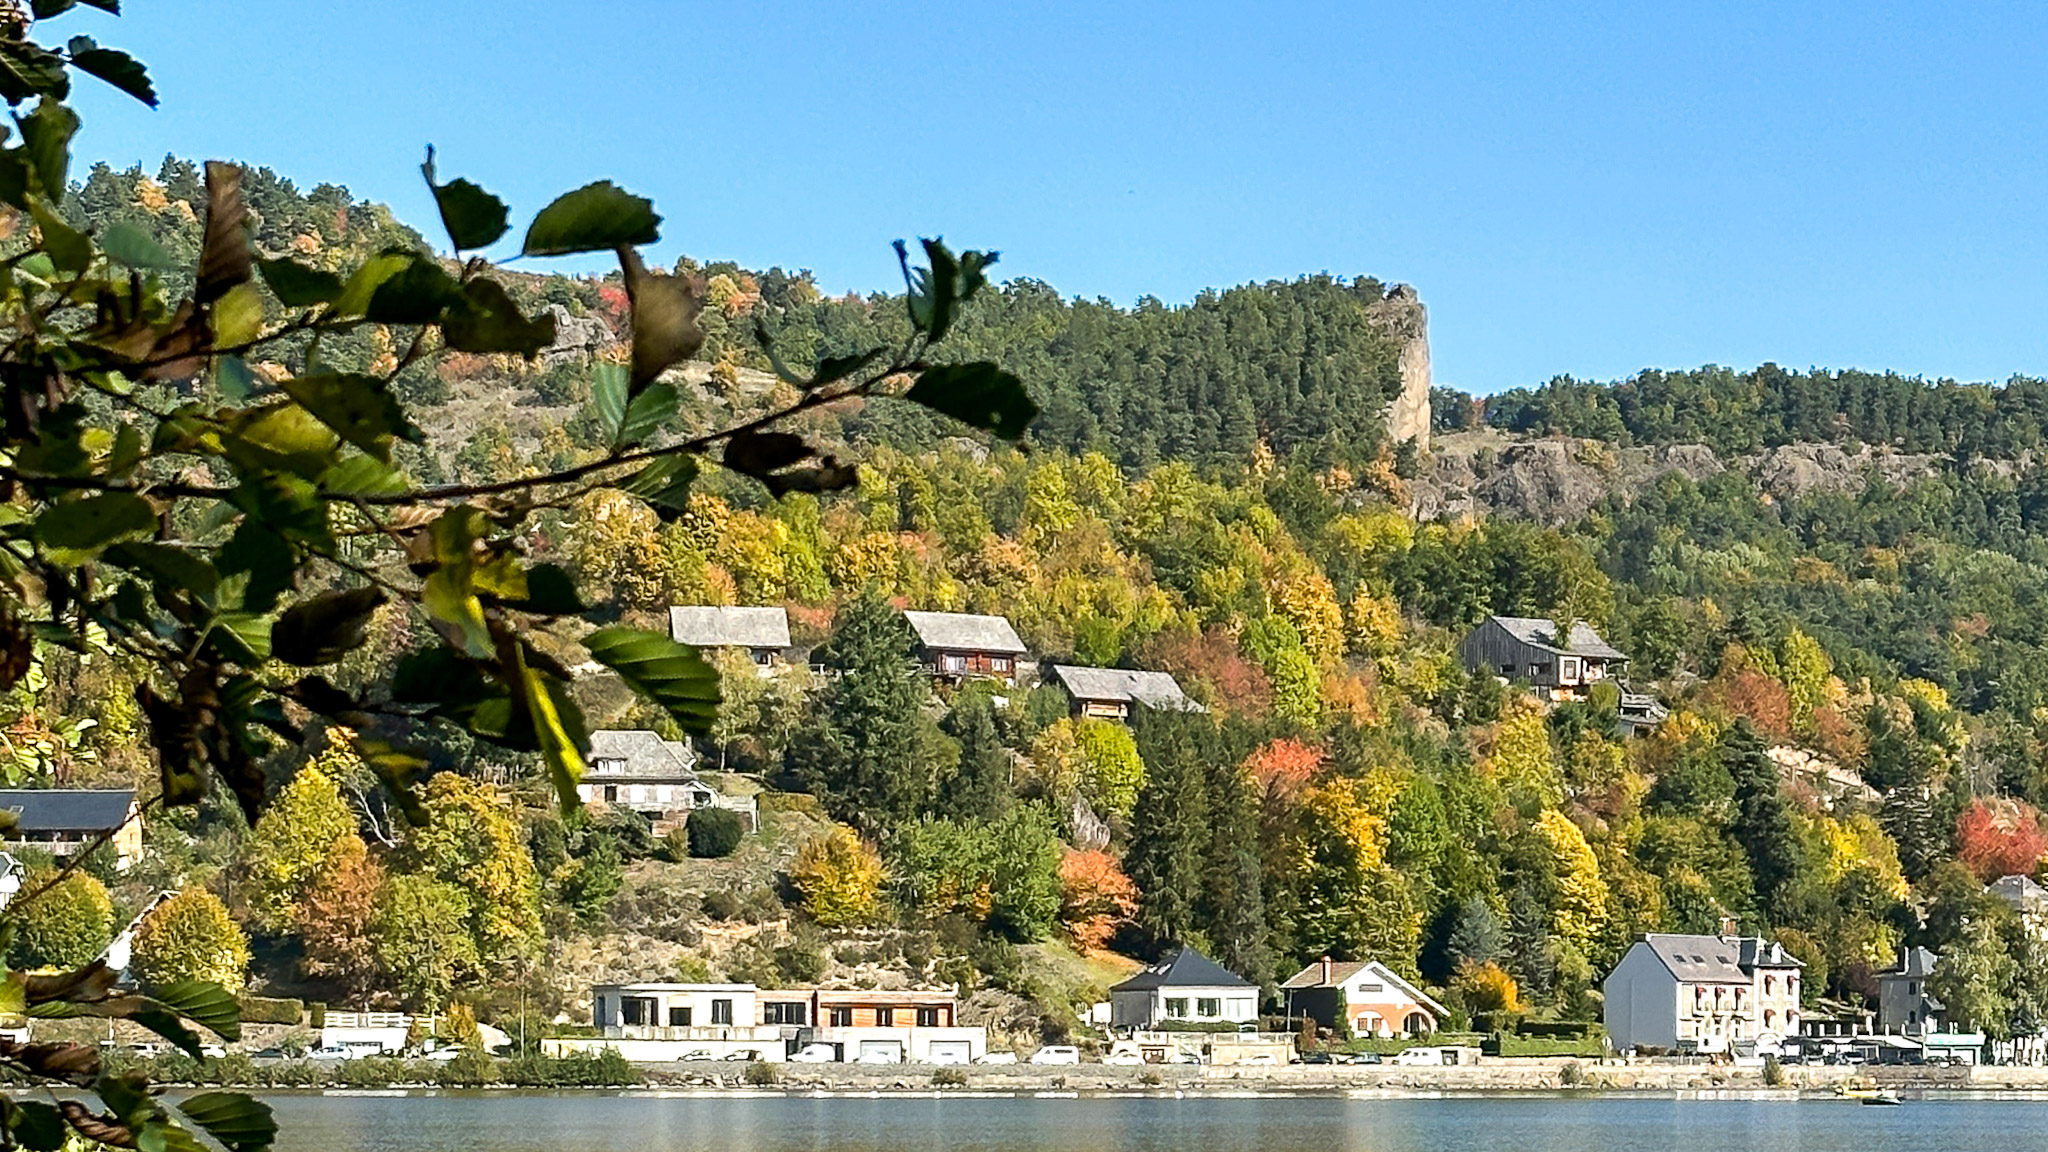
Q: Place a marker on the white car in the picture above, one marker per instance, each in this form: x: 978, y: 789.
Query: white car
x: 879, y: 1056
x: 1057, y: 1054
x: 696, y: 1054
x: 997, y: 1058
x: 1124, y: 1059
x: 332, y: 1052
x: 815, y: 1054
x: 1259, y: 1058
x: 1419, y: 1056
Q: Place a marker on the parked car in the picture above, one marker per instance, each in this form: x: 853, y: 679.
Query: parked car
x: 1179, y: 1057
x: 1412, y: 1057
x: 1057, y: 1054
x: 213, y: 1050
x: 997, y: 1058
x: 880, y: 1056
x: 815, y: 1054
x: 947, y: 1056
x: 1362, y: 1058
x: 332, y: 1052
x: 1320, y: 1058
x: 269, y: 1054
x: 1124, y: 1058
x: 744, y: 1054
x: 1261, y: 1059
x: 696, y: 1054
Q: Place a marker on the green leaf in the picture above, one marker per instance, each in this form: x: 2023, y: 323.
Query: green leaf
x: 204, y: 1003
x: 399, y: 769
x: 46, y: 141
x: 115, y: 67
x: 93, y: 523
x: 646, y: 414
x: 297, y: 285
x: 979, y: 394
x: 362, y: 476
x: 368, y: 277
x: 232, y: 379
x: 70, y: 250
x: 832, y: 369
x: 609, y: 388
x: 360, y: 409
x: 38, y: 1127
x: 485, y: 319
x: 561, y: 744
x: 132, y: 246
x: 458, y: 615
x: 29, y: 69
x: 168, y: 1026
x: 324, y: 628
x: 593, y: 218
x: 664, y: 485
x: 672, y: 675
x: 265, y: 556
x: 238, y: 316
x: 236, y: 1120
x: 45, y: 9
x: 168, y: 565
x: 474, y: 218
x: 243, y: 637
x: 415, y: 294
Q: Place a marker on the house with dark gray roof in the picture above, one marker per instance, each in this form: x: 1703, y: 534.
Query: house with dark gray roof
x: 1185, y: 988
x: 1527, y: 650
x: 956, y: 646
x: 1111, y: 693
x: 62, y: 821
x: 638, y: 770
x: 763, y: 632
x: 1690, y: 993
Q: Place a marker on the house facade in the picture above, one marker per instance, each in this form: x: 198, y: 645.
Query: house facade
x: 1365, y: 997
x: 62, y: 821
x: 1904, y: 1004
x: 638, y: 770
x: 1111, y: 693
x: 1186, y: 988
x: 1527, y: 649
x: 2025, y: 897
x: 956, y: 646
x: 661, y: 1021
x: 1702, y: 993
x: 762, y: 632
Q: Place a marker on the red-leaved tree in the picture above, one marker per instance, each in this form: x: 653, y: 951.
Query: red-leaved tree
x: 2000, y: 838
x: 1096, y: 898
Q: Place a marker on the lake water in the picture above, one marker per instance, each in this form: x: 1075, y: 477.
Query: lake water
x: 568, y: 1122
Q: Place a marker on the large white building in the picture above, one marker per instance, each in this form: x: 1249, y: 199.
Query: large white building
x: 1702, y: 993
x: 663, y: 1022
x: 1186, y: 988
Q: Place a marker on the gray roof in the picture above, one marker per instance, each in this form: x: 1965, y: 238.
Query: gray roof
x: 1185, y: 969
x: 964, y: 631
x: 85, y: 810
x: 1543, y: 634
x: 1152, y: 689
x: 647, y: 755
x: 1716, y: 959
x: 1915, y: 962
x: 2018, y: 891
x: 718, y: 626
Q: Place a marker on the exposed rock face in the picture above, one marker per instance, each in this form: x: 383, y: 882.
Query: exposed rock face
x: 1401, y: 315
x: 577, y: 337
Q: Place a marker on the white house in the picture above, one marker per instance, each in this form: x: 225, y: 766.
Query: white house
x: 1186, y: 988
x: 654, y: 777
x: 1702, y: 993
x: 664, y: 1022
x: 1371, y: 999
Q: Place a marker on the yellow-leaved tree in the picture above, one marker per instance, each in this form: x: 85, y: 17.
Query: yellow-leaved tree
x: 839, y: 877
x: 284, y: 855
x: 190, y: 937
x: 1581, y: 910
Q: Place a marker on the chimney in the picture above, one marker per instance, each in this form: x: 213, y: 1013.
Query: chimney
x: 1729, y: 926
x: 1329, y: 970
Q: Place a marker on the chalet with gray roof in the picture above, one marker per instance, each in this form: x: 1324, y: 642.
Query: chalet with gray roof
x: 957, y: 646
x: 1527, y: 650
x: 1185, y: 988
x: 63, y: 821
x: 1111, y: 693
x: 1690, y: 993
x: 639, y: 771
x: 762, y: 632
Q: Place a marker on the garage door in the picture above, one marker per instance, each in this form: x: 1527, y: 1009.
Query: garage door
x: 881, y: 1051
x: 950, y: 1052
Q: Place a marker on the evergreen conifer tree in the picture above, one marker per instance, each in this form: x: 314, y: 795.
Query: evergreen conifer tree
x: 1169, y: 828
x: 979, y: 786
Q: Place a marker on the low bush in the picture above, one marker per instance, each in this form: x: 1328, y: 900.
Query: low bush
x: 714, y: 833
x: 272, y: 1010
x: 760, y: 1073
x: 471, y: 1068
x: 949, y: 1078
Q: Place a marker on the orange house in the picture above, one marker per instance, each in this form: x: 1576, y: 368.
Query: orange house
x: 1369, y: 998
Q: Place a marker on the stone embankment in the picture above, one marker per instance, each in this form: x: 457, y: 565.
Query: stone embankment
x: 1512, y: 1074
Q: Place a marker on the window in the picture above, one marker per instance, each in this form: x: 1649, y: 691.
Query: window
x: 610, y: 764
x: 679, y: 1016
x: 1208, y: 1007
x: 637, y: 1010
x: 1507, y: 670
x: 1177, y: 1007
x: 597, y: 1010
x: 1913, y: 987
x: 1372, y: 988
x: 721, y: 1011
x: 784, y: 1012
x: 1769, y: 984
x: 1568, y: 669
x: 761, y: 657
x: 611, y: 793
x: 885, y: 1017
x: 927, y: 1017
x: 839, y: 1017
x: 1000, y: 664
x: 953, y: 662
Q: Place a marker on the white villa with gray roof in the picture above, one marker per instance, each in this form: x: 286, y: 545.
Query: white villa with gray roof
x: 1702, y: 993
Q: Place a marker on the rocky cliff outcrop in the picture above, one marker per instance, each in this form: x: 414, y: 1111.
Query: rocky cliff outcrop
x: 1401, y: 314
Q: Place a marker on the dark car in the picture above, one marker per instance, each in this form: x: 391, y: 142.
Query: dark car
x: 1317, y: 1058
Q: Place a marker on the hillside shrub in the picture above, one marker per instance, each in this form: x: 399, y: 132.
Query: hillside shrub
x: 714, y: 833
x: 761, y: 1074
x: 65, y: 926
x: 271, y: 1010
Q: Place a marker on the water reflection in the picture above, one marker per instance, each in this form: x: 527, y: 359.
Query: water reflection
x: 587, y: 1123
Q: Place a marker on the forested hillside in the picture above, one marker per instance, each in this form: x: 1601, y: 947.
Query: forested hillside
x: 1207, y: 492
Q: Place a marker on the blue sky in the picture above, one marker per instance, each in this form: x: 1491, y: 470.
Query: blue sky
x: 1582, y: 188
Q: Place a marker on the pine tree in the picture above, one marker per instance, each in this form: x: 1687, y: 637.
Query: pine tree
x: 1475, y: 934
x: 1234, y: 902
x: 979, y: 787
x: 1532, y: 957
x: 1169, y: 828
x: 870, y: 752
x: 1763, y: 817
